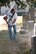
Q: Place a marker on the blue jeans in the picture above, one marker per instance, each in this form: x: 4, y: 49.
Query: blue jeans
x: 11, y: 34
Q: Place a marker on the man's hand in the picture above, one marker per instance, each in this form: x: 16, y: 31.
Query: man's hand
x: 13, y: 21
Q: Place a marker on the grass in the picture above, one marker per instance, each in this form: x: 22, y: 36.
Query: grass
x: 7, y: 46
x: 23, y: 49
x: 4, y: 35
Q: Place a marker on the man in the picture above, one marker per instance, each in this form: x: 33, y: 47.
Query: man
x: 11, y: 21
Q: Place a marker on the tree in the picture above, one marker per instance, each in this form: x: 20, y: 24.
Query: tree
x: 32, y: 4
x: 3, y: 2
x: 20, y: 3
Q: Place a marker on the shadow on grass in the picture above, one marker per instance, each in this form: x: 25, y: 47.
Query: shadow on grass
x: 7, y: 47
x: 4, y: 35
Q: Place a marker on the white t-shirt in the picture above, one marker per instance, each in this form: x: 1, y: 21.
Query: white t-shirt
x: 14, y: 17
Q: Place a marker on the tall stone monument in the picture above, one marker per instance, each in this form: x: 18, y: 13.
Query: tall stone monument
x: 24, y: 28
x: 31, y: 13
x: 33, y: 41
x: 35, y: 16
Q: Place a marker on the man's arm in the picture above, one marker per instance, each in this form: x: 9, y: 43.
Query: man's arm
x: 14, y: 21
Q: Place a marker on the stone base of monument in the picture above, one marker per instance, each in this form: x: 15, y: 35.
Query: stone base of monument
x: 23, y: 31
x: 24, y: 28
x: 33, y: 41
x: 31, y: 25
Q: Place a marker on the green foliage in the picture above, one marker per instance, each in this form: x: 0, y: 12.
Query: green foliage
x: 20, y: 3
x: 30, y: 0
x: 32, y: 3
x: 3, y: 2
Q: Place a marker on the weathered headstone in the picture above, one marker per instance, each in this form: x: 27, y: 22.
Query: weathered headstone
x: 31, y: 25
x: 33, y: 41
x: 31, y: 13
x: 35, y: 16
x: 24, y: 28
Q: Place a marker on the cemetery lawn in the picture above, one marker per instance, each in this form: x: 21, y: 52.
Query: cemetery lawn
x: 19, y: 46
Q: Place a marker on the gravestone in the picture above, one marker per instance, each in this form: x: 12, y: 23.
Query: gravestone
x: 31, y: 25
x: 33, y: 41
x: 35, y: 16
x: 31, y: 13
x: 24, y: 27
